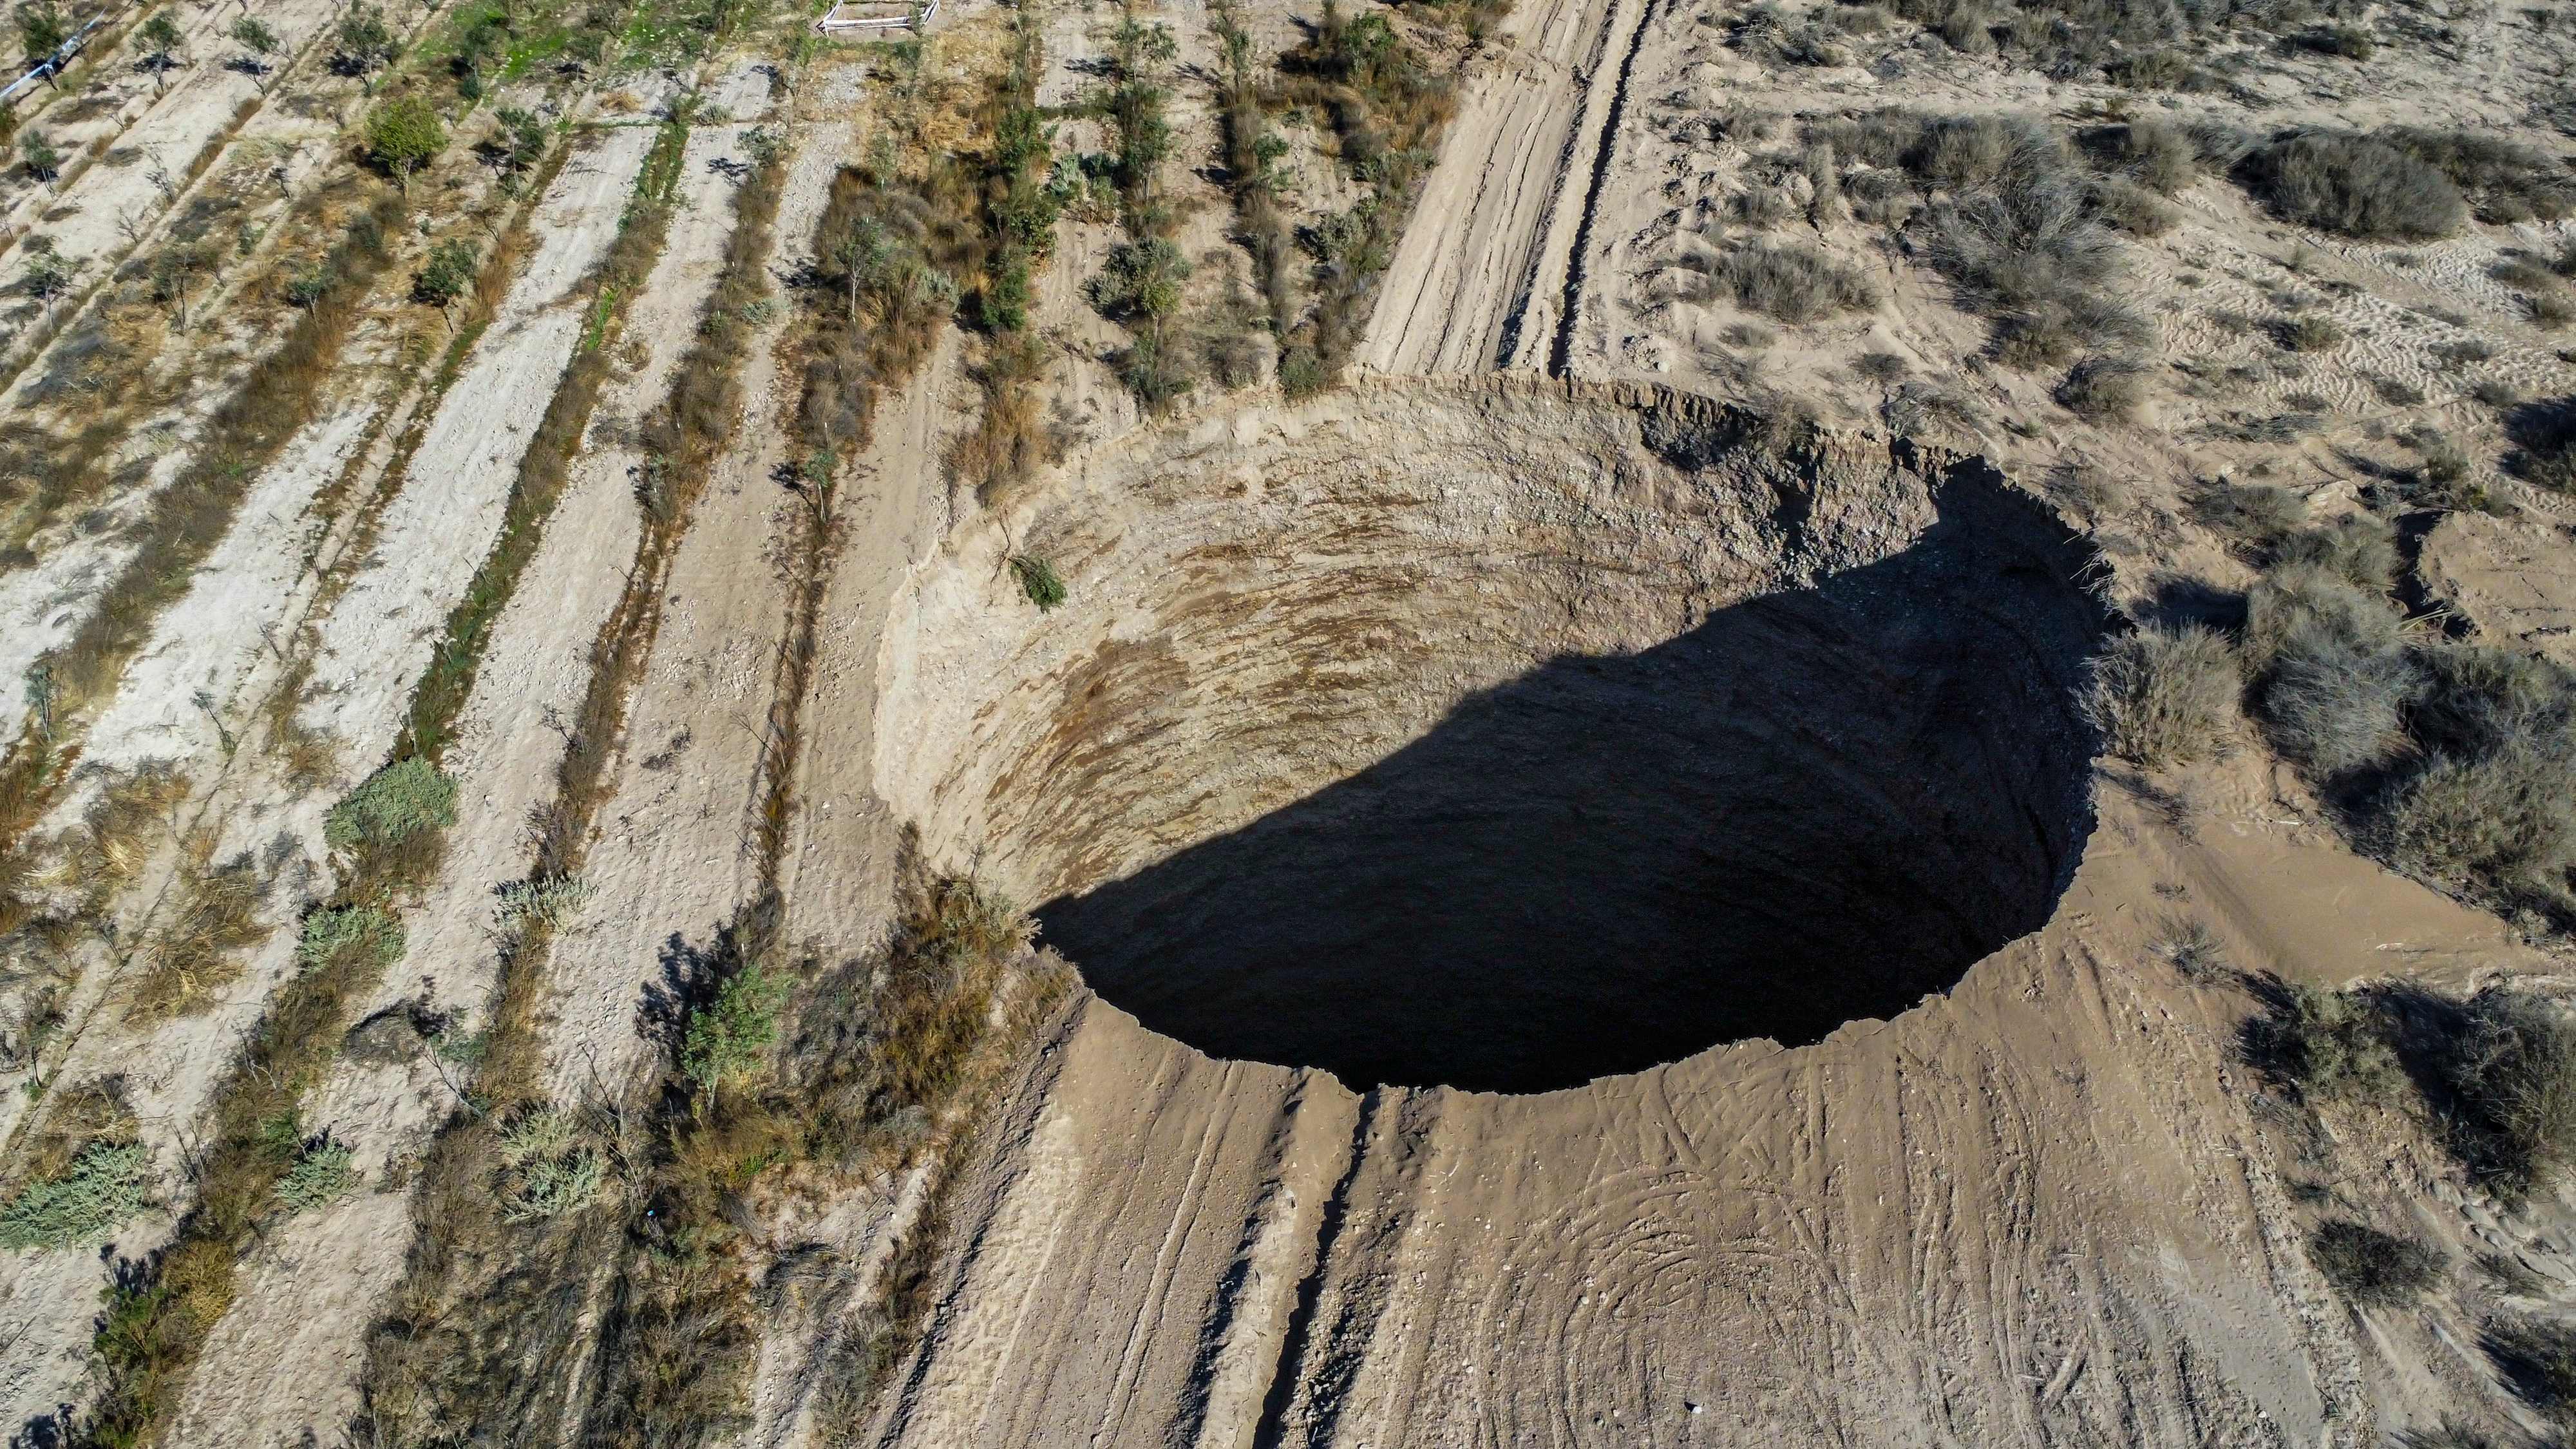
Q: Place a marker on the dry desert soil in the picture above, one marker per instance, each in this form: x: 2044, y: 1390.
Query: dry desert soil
x: 1256, y: 723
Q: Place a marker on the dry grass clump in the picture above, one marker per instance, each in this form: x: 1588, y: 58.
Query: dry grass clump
x: 2164, y: 697
x: 2487, y: 808
x: 2310, y: 333
x: 2538, y: 1357
x: 2507, y: 1067
x: 2544, y: 434
x: 2504, y: 181
x: 2104, y: 389
x: 2372, y: 1268
x: 2327, y: 1044
x: 1789, y: 282
x: 2454, y: 761
x: 2016, y: 225
x: 2333, y: 673
x: 1770, y: 35
x: 198, y: 949
x: 2358, y: 548
x: 2353, y: 184
x: 2253, y: 517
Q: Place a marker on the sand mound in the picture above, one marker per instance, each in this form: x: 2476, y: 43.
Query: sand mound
x: 1510, y: 737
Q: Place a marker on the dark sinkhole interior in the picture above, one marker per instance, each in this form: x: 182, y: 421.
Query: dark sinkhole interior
x: 1815, y: 807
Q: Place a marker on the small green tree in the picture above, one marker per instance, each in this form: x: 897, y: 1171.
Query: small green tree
x: 162, y: 41
x: 403, y: 136
x: 447, y: 274
x: 365, y: 42
x: 521, y: 143
x: 727, y: 1036
x: 258, y: 43
x: 44, y: 160
x: 47, y: 276
x: 42, y: 29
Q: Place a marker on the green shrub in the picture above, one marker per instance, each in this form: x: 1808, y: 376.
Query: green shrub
x: 363, y: 42
x: 350, y: 936
x: 542, y: 902
x: 44, y: 159
x: 728, y: 1036
x: 548, y: 1169
x: 2511, y: 1075
x: 2373, y: 1268
x: 2328, y: 1044
x: 447, y: 275
x: 2333, y: 676
x: 2341, y: 181
x: 1038, y: 581
x: 556, y: 1186
x: 394, y: 804
x: 1141, y: 281
x: 404, y: 135
x: 105, y: 1186
x: 2165, y: 697
x: 320, y: 1176
x: 42, y: 28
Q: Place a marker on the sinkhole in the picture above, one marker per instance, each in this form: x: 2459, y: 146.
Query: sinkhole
x: 1506, y: 740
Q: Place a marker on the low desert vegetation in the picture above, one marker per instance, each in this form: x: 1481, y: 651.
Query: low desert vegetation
x: 1785, y: 281
x: 1039, y: 582
x: 1387, y: 107
x: 220, y: 913
x: 2355, y: 185
x: 103, y: 1187
x: 364, y: 937
x: 2025, y: 233
x: 2373, y: 1268
x: 320, y: 1175
x: 798, y: 1079
x: 2104, y: 389
x: 2537, y: 1356
x: 2166, y: 697
x: 2492, y: 1077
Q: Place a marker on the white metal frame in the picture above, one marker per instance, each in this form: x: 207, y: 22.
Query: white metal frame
x: 834, y: 21
x: 53, y: 64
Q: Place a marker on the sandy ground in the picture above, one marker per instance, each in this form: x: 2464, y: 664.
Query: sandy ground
x: 286, y: 1359
x: 431, y: 539
x: 1486, y: 287
x: 142, y: 180
x: 2048, y: 1206
x: 169, y: 1067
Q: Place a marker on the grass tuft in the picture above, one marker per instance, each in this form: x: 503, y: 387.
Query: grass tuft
x: 2165, y: 697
